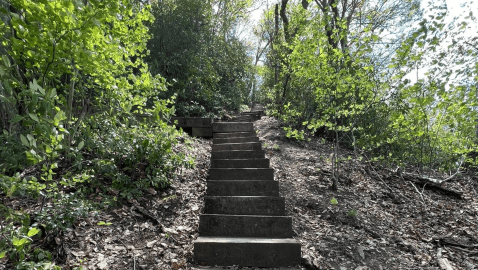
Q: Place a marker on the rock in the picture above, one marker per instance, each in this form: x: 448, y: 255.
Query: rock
x: 150, y: 244
x: 444, y: 264
x: 306, y: 261
x: 360, y: 252
x: 102, y: 264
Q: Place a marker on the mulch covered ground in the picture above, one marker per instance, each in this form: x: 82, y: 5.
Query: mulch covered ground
x: 380, y: 221
x: 376, y: 220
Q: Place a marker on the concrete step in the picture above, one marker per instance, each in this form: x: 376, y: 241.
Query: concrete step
x: 244, y: 205
x: 192, y: 121
x: 258, y: 252
x: 245, y: 226
x: 236, y: 146
x: 201, y: 132
x: 254, y: 115
x: 251, y: 112
x: 257, y: 107
x: 242, y: 188
x: 234, y: 135
x: 240, y: 163
x: 237, y: 154
x: 243, y: 120
x: 235, y: 140
x: 232, y: 127
x: 241, y: 174
x: 244, y: 116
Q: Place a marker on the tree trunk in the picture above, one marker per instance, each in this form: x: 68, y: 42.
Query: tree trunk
x: 276, y: 33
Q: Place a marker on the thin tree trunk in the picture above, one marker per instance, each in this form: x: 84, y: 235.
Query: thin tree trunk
x: 276, y: 33
x: 70, y: 102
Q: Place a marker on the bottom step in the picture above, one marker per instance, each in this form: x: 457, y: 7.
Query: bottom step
x: 258, y: 252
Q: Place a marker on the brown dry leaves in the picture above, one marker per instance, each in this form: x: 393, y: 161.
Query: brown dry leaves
x: 393, y: 229
x: 136, y: 240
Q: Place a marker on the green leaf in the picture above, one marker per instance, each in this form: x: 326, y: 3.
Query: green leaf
x: 80, y: 145
x: 17, y: 119
x: 53, y: 93
x: 4, y: 99
x: 6, y: 60
x: 18, y: 242
x: 2, y: 254
x: 33, y: 231
x: 32, y: 156
x: 101, y: 223
x: 6, y: 85
x: 24, y: 140
x: 333, y: 201
x: 34, y: 117
x: 96, y: 22
x: 34, y: 86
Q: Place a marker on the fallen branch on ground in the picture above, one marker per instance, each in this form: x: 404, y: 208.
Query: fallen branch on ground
x: 432, y: 185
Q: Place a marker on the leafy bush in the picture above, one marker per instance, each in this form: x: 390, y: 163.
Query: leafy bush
x: 71, y: 79
x: 17, y: 233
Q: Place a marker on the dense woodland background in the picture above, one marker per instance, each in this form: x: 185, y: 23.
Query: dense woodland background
x: 392, y: 81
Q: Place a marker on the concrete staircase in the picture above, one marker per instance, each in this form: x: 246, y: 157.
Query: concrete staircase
x: 244, y: 220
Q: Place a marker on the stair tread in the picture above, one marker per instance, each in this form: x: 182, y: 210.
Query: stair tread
x: 244, y: 221
x: 248, y: 216
x: 260, y: 240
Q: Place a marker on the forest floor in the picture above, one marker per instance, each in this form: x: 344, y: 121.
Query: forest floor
x: 380, y: 221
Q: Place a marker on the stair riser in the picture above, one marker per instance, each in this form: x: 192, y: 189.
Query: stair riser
x: 241, y: 174
x: 236, y: 140
x: 243, y: 188
x: 254, y: 116
x: 269, y: 206
x: 245, y: 226
x: 232, y: 127
x: 237, y: 154
x: 234, y: 135
x: 247, y: 254
x: 240, y: 163
x: 242, y: 120
x: 257, y: 113
x: 236, y: 147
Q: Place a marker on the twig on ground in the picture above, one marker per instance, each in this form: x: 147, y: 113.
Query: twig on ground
x: 421, y: 195
x: 134, y: 258
x: 432, y: 185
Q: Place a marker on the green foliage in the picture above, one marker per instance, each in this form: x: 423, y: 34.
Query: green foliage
x: 17, y: 245
x: 345, y: 88
x: 431, y: 116
x: 298, y: 135
x: 102, y: 223
x: 352, y: 213
x: 136, y: 157
x: 333, y: 201
x: 195, y: 48
x: 72, y: 79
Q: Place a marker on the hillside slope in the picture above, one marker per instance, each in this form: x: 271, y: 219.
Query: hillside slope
x: 379, y: 220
